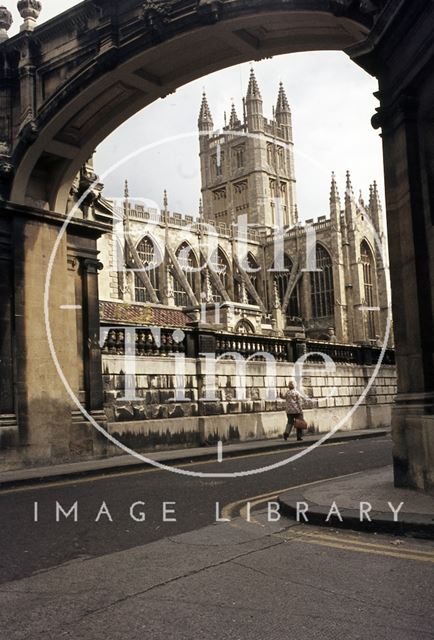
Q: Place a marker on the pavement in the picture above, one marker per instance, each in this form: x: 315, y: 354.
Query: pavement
x: 375, y: 487
x: 169, y: 457
x: 231, y: 581
x: 249, y: 577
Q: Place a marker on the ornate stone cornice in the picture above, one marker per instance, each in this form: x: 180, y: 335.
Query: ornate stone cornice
x: 210, y: 10
x: 390, y: 116
x: 156, y: 14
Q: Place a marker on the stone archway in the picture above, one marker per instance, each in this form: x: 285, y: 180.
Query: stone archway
x: 72, y: 81
x: 135, y: 55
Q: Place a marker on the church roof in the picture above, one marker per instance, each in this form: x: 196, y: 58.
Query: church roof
x: 134, y: 314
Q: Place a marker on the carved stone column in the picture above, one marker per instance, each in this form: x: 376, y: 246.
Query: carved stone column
x: 412, y: 273
x: 393, y: 53
x: 91, y: 336
x: 7, y: 399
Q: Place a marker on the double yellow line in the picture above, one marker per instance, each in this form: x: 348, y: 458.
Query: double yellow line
x: 350, y: 543
x: 239, y: 507
x: 244, y: 509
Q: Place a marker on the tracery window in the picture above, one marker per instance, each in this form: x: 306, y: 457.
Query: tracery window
x: 217, y: 164
x: 188, y: 263
x: 322, y: 288
x: 148, y: 256
x: 252, y: 271
x: 239, y: 156
x: 282, y: 279
x: 368, y: 283
x: 220, y: 266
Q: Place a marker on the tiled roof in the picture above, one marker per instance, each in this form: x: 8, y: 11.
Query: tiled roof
x: 133, y: 314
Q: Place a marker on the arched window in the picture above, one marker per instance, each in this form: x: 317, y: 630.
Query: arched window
x: 188, y: 263
x: 368, y: 283
x: 323, y: 297
x: 252, y: 272
x: 219, y: 264
x: 281, y: 280
x: 244, y: 326
x: 148, y: 256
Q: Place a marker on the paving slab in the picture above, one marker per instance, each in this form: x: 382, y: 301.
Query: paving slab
x: 233, y: 581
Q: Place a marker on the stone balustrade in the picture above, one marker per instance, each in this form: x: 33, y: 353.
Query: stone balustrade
x: 194, y: 343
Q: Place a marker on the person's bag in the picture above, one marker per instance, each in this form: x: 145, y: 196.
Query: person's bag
x: 300, y: 423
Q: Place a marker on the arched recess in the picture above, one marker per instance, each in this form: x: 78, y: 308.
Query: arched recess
x: 142, y: 53
x: 370, y: 290
x: 322, y: 285
x: 149, y: 254
x: 281, y: 280
x: 189, y: 264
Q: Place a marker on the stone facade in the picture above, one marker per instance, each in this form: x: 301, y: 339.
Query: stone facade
x: 326, y: 279
x: 68, y: 83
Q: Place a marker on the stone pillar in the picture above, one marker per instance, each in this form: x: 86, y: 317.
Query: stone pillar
x: 91, y: 336
x: 399, y: 51
x: 43, y: 405
x: 412, y: 274
x: 7, y: 399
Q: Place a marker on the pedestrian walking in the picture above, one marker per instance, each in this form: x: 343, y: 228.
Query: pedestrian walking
x: 294, y: 412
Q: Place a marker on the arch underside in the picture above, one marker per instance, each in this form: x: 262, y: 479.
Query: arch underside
x: 92, y: 104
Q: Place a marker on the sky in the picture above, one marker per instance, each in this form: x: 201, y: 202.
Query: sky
x: 332, y: 103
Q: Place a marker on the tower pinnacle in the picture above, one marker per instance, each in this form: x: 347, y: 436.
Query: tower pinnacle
x: 375, y: 208
x: 335, y: 203
x: 205, y: 122
x: 253, y: 92
x: 334, y: 192
x: 282, y: 101
x: 254, y: 105
x: 349, y: 193
x: 234, y: 121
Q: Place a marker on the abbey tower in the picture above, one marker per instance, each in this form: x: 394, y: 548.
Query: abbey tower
x: 248, y: 167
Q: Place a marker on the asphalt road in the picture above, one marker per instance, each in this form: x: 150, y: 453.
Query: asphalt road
x: 28, y: 546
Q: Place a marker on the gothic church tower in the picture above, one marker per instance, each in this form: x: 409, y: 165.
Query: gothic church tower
x: 248, y: 167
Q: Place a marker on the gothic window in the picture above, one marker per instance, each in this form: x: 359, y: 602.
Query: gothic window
x: 241, y: 195
x: 217, y: 164
x: 323, y: 297
x: 147, y: 254
x: 239, y: 156
x: 270, y: 154
x: 220, y: 202
x: 188, y: 263
x: 278, y: 193
x: 276, y: 156
x: 368, y: 283
x: 252, y: 272
x: 281, y: 158
x: 220, y: 266
x: 281, y: 280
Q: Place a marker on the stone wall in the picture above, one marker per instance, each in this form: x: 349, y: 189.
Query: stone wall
x: 156, y: 419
